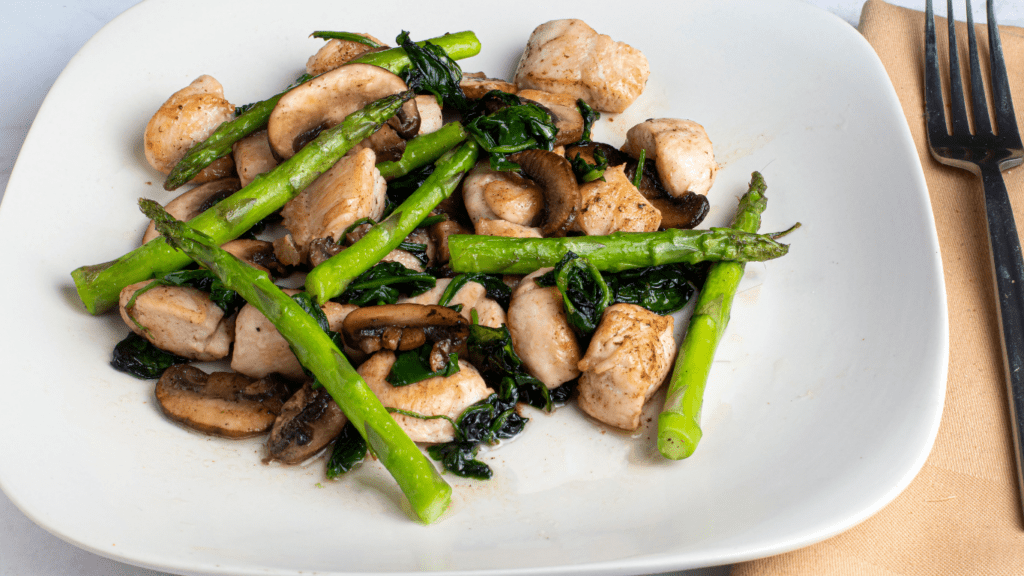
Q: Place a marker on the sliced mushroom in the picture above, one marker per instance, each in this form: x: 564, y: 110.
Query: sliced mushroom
x: 431, y: 117
x: 325, y: 101
x: 196, y: 201
x: 686, y: 211
x: 223, y: 403
x: 308, y: 422
x: 258, y: 253
x: 475, y: 84
x: 440, y: 232
x: 563, y: 110
x: 405, y: 327
x: 561, y: 195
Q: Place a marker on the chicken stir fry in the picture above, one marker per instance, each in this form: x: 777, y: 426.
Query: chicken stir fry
x: 456, y: 358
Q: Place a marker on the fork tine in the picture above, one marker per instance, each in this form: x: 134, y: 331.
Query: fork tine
x: 978, y: 102
x: 1006, y: 123
x: 933, y: 86
x: 956, y: 88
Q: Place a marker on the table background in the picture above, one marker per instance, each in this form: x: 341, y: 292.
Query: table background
x: 37, y: 39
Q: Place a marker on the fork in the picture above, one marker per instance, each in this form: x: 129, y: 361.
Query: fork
x: 986, y: 153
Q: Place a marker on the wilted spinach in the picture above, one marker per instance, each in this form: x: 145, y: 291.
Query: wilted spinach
x: 412, y: 366
x: 384, y: 283
x: 585, y: 294
x: 496, y: 288
x: 587, y: 172
x: 137, y: 356
x: 590, y: 116
x: 433, y: 71
x: 349, y: 450
x: 512, y: 128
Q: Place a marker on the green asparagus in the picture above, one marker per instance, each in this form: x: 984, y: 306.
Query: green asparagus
x: 217, y: 145
x: 427, y: 492
x: 615, y: 253
x: 679, y: 422
x: 423, y: 150
x: 331, y: 277
x: 99, y: 285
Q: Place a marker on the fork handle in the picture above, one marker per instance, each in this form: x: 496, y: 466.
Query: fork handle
x: 1008, y: 267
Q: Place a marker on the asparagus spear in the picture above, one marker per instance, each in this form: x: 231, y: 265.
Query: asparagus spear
x: 217, y: 145
x: 99, y: 285
x: 679, y: 422
x: 615, y: 253
x: 331, y: 277
x: 427, y: 492
x: 423, y: 150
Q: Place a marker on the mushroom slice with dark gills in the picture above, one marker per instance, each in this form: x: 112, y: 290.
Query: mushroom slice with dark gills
x: 178, y: 319
x: 323, y: 102
x: 405, y: 327
x: 222, y: 403
x: 194, y: 202
x: 309, y: 421
x: 561, y: 194
x: 439, y: 396
x: 261, y: 350
x: 351, y: 190
x: 258, y: 253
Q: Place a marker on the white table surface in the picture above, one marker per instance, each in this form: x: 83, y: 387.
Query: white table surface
x: 37, y: 39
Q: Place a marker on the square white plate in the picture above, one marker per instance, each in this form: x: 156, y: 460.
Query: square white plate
x: 823, y: 402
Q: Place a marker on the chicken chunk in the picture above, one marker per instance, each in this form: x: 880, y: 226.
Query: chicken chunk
x: 570, y: 57
x: 502, y: 203
x: 476, y: 84
x: 253, y: 157
x: 472, y: 296
x: 178, y: 319
x: 431, y: 397
x: 681, y: 151
x: 615, y: 205
x: 261, y: 350
x: 336, y: 52
x: 627, y: 360
x: 352, y: 189
x: 541, y: 333
x: 431, y: 119
x: 188, y: 116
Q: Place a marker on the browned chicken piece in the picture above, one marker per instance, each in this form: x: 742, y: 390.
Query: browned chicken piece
x: 472, y: 296
x: 541, y: 333
x: 628, y: 359
x: 502, y: 203
x: 681, y: 151
x: 188, y: 116
x: 178, y: 319
x: 352, y: 189
x: 431, y: 119
x: 569, y: 57
x: 431, y: 397
x: 253, y: 157
x: 615, y: 205
x: 336, y: 52
x: 475, y: 84
x: 261, y: 350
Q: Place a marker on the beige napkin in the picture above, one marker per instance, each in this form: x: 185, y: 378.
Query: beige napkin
x: 962, y: 513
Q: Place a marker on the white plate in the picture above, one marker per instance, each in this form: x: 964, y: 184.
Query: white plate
x: 824, y: 399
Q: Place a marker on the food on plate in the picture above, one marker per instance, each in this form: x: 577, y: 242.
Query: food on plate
x: 680, y: 149
x: 406, y: 328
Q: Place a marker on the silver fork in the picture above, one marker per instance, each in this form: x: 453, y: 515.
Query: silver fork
x: 987, y: 154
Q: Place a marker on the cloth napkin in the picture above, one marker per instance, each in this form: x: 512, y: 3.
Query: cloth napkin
x: 962, y: 514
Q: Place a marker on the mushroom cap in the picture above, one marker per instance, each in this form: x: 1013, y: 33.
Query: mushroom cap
x: 308, y: 422
x: 404, y: 327
x: 222, y: 403
x: 475, y: 84
x: 325, y: 101
x: 195, y: 201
